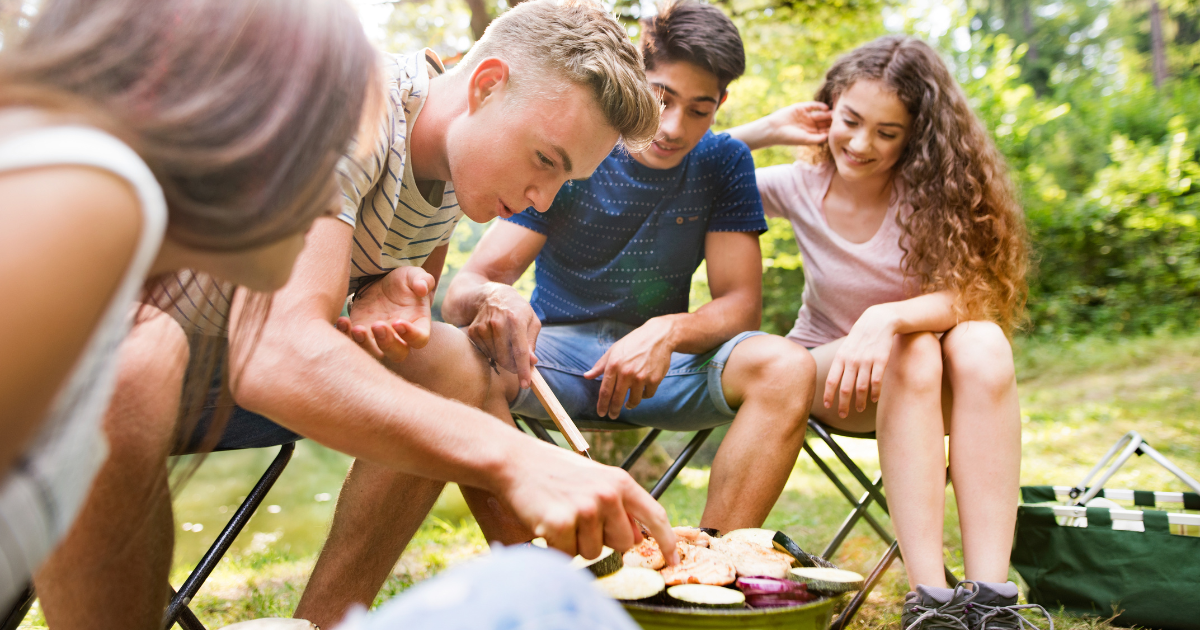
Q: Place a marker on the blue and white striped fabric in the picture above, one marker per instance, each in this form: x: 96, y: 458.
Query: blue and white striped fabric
x: 394, y: 225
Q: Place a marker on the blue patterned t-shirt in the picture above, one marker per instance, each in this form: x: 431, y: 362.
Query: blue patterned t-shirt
x: 624, y: 244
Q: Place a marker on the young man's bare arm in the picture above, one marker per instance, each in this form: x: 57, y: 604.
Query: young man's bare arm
x: 312, y: 379
x: 639, y: 361
x: 481, y: 297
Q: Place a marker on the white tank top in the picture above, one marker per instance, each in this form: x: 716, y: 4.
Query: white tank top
x: 41, y: 496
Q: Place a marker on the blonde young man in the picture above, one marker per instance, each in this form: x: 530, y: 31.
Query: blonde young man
x: 541, y: 99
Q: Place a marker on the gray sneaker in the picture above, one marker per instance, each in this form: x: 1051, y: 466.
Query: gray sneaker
x: 995, y: 608
x: 933, y: 607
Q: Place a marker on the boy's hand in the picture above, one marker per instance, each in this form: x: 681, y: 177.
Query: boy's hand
x: 579, y: 505
x: 506, y: 329
x: 392, y: 316
x: 634, y: 365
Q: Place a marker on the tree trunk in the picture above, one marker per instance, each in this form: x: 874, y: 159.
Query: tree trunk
x: 480, y: 18
x: 1158, y: 47
x: 1027, y: 25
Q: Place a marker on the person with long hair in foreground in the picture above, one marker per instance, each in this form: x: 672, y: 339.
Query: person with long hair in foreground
x: 915, y: 255
x: 138, y: 140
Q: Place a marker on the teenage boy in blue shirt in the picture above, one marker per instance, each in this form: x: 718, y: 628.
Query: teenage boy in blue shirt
x: 608, y: 324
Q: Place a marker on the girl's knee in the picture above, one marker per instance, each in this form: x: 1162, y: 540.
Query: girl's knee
x: 917, y: 361
x: 980, y: 353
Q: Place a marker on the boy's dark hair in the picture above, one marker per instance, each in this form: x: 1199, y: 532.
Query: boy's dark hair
x: 698, y: 33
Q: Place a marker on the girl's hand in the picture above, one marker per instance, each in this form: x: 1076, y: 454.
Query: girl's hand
x: 860, y: 362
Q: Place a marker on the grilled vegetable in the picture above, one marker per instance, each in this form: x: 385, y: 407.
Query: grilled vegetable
x: 827, y: 580
x: 707, y: 596
x: 607, y: 562
x: 783, y: 543
x: 765, y: 592
x: 631, y: 583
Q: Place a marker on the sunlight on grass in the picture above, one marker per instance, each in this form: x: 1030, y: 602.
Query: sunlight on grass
x: 1077, y: 399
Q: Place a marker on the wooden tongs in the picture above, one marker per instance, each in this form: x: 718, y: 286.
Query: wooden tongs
x: 541, y: 389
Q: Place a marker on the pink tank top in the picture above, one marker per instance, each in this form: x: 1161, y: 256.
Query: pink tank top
x: 841, y: 279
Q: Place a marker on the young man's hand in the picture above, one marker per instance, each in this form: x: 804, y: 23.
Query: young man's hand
x: 796, y: 124
x: 506, y: 329
x: 392, y: 316
x: 579, y: 505
x: 634, y: 365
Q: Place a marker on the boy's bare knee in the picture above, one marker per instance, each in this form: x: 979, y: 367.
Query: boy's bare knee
x: 449, y: 365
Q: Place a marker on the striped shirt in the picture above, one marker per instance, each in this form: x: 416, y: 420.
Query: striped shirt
x: 394, y: 225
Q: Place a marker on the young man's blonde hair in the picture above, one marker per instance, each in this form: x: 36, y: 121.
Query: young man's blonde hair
x: 578, y: 41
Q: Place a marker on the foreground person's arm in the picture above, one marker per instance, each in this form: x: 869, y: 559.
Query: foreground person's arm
x: 312, y: 379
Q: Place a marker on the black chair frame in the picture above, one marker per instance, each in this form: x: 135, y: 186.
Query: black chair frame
x: 177, y: 609
x: 685, y: 456
x: 873, y: 493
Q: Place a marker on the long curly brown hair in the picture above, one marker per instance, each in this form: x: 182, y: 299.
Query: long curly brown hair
x: 966, y: 233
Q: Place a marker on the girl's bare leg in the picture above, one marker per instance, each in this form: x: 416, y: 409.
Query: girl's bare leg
x: 985, y: 444
x: 910, y: 431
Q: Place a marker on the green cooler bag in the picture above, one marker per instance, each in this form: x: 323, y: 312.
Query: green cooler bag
x: 1152, y: 577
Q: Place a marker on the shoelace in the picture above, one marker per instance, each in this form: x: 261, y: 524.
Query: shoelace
x: 1006, y: 617
x: 949, y: 615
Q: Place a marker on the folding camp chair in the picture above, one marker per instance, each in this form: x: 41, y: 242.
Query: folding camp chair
x: 177, y: 609
x: 693, y: 446
x: 874, y: 493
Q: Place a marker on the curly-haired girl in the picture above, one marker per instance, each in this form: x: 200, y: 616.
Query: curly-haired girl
x: 914, y: 255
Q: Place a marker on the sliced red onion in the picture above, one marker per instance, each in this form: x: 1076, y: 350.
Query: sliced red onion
x: 767, y: 592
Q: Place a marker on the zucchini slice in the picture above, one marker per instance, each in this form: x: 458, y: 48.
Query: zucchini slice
x: 707, y: 596
x: 784, y: 543
x: 606, y: 563
x: 631, y: 583
x: 753, y: 535
x: 827, y: 580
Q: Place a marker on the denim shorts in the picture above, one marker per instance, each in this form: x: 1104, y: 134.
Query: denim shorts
x: 690, y: 397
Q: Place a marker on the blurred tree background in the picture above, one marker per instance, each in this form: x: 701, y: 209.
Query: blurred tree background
x: 1095, y: 103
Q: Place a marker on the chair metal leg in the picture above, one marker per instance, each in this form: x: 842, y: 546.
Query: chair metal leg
x: 20, y: 608
x: 860, y: 507
x: 640, y: 449
x: 540, y: 431
x: 209, y: 562
x: 849, y: 464
x: 856, y: 602
x: 684, y: 457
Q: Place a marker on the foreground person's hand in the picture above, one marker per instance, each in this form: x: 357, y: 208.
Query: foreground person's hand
x: 393, y: 315
x: 634, y: 365
x: 505, y: 328
x: 579, y: 505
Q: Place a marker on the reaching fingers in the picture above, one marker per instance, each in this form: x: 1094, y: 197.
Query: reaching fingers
x: 622, y: 384
x: 649, y: 512
x: 343, y: 325
x: 589, y: 534
x: 599, y: 368
x: 558, y: 528
x: 365, y: 339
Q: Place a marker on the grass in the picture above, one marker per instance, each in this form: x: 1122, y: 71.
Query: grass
x: 1077, y: 399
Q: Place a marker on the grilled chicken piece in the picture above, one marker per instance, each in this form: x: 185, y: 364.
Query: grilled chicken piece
x: 750, y: 559
x: 692, y: 535
x: 699, y: 565
x: 646, y: 555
